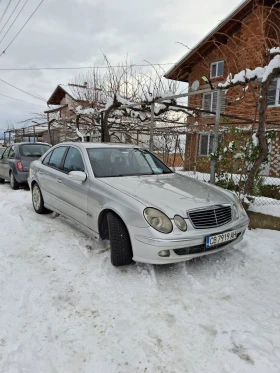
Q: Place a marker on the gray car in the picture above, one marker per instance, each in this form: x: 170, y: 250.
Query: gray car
x: 16, y: 159
x: 125, y: 194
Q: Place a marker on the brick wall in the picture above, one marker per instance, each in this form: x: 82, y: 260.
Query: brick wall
x: 235, y: 59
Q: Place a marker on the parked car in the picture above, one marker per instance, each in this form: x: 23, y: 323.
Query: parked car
x: 2, y: 149
x: 125, y: 194
x: 16, y: 159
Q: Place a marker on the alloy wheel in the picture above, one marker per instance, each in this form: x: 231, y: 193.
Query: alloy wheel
x: 36, y: 197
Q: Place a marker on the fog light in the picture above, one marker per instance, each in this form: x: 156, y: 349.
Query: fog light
x: 164, y: 253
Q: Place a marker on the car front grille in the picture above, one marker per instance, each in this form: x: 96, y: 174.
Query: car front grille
x: 215, y: 216
x: 200, y: 248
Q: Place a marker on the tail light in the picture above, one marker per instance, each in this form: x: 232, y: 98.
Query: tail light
x: 19, y: 166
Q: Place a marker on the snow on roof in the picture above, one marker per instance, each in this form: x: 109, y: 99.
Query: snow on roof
x: 57, y: 108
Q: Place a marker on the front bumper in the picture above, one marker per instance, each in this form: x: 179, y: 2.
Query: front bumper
x: 146, y: 248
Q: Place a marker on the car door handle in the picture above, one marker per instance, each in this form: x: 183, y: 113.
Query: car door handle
x: 41, y: 172
x: 58, y: 180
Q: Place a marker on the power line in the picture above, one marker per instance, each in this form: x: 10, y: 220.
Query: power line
x: 14, y: 21
x: 13, y: 98
x: 15, y: 8
x: 81, y: 67
x: 19, y: 89
x: 4, y: 51
x: 5, y: 11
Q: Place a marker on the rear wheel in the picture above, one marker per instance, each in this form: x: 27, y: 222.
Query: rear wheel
x: 37, y: 200
x: 2, y: 181
x: 121, y: 250
x: 13, y: 182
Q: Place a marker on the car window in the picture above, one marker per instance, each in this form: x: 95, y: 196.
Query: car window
x: 47, y: 158
x: 73, y: 161
x: 57, y: 157
x: 2, y: 150
x: 12, y: 153
x: 6, y: 152
x: 117, y: 162
x: 33, y: 150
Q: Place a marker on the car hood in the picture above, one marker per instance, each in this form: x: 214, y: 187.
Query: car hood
x: 170, y: 193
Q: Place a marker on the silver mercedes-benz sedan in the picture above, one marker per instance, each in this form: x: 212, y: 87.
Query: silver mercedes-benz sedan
x: 127, y: 195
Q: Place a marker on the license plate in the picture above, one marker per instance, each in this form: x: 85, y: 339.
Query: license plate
x: 220, y: 238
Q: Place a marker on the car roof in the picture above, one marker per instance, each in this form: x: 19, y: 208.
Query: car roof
x: 29, y: 143
x: 99, y: 145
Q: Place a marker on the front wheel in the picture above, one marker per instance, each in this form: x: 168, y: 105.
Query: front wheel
x: 37, y: 200
x: 2, y: 181
x: 121, y: 250
x: 14, y: 183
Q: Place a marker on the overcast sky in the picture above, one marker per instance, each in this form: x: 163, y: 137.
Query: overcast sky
x: 71, y: 33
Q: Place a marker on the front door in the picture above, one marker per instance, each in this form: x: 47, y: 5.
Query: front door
x: 73, y: 194
x: 49, y: 177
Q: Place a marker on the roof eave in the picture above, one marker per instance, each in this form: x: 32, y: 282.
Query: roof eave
x: 173, y: 69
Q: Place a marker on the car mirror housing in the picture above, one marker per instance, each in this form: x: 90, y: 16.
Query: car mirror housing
x: 77, y: 175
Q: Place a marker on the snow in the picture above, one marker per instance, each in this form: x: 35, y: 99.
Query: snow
x: 85, y: 111
x: 64, y: 308
x: 255, y: 139
x: 261, y: 73
x: 266, y: 209
x: 275, y: 50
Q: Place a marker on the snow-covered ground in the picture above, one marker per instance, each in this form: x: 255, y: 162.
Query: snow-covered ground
x: 266, y: 209
x: 64, y: 308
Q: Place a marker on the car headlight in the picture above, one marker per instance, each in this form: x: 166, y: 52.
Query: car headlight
x: 240, y: 208
x: 158, y: 220
x: 180, y: 223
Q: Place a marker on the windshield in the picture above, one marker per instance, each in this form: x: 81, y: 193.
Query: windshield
x: 33, y: 150
x: 113, y: 162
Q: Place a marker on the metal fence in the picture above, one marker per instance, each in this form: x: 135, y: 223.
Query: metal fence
x: 186, y: 151
x: 186, y: 147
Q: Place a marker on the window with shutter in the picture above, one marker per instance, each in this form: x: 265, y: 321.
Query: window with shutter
x: 203, y: 144
x: 206, y: 143
x: 273, y: 97
x: 209, y: 102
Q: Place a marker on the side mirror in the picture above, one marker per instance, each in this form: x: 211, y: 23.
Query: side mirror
x: 77, y: 175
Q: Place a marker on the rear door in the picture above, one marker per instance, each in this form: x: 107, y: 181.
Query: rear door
x: 73, y: 194
x: 4, y: 164
x: 49, y: 176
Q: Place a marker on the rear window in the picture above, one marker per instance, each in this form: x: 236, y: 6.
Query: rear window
x: 33, y: 150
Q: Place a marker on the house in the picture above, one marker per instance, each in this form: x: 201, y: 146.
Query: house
x: 235, y: 44
x: 66, y: 99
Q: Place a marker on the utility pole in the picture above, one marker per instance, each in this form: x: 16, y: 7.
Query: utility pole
x: 216, y: 136
x: 151, y: 144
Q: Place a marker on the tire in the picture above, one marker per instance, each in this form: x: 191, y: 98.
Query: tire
x: 13, y: 182
x: 37, y: 200
x: 121, y: 250
x: 2, y: 181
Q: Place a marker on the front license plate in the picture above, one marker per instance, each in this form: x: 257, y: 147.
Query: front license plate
x: 220, y: 238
